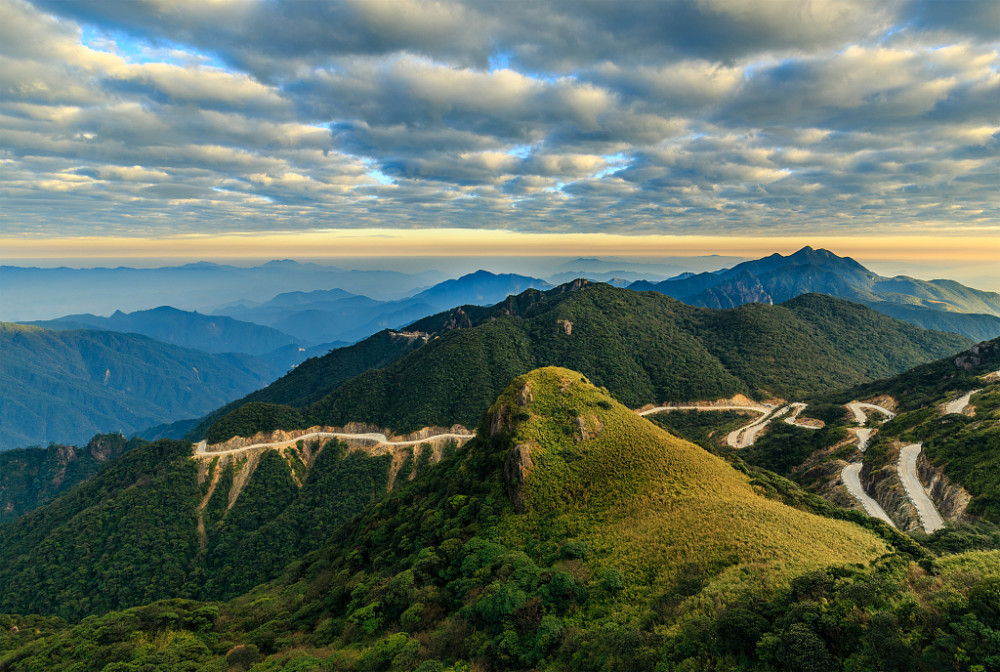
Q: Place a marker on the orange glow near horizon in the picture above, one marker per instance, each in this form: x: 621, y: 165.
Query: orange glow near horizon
x: 343, y: 243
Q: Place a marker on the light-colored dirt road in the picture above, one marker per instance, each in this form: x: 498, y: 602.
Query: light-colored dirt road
x: 851, y: 478
x: 864, y: 435
x: 665, y: 409
x: 746, y: 435
x: 201, y: 448
x: 959, y: 405
x: 907, y: 466
x: 793, y: 419
x: 860, y: 417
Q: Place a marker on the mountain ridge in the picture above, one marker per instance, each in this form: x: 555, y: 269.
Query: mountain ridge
x: 777, y: 278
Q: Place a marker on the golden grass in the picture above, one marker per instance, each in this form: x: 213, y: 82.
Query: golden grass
x: 656, y: 507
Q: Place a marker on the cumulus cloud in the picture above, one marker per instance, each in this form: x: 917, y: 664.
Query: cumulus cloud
x: 665, y: 115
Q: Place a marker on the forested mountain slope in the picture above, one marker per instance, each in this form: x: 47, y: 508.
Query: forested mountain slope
x: 571, y: 534
x: 187, y: 329
x: 643, y: 346
x: 157, y: 523
x: 66, y: 386
x: 29, y: 477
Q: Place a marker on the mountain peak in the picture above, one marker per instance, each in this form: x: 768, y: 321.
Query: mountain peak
x: 570, y: 451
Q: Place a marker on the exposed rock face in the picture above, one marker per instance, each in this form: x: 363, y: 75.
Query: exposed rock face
x: 458, y: 320
x: 499, y: 420
x: 825, y: 480
x: 883, y: 485
x: 576, y: 285
x: 973, y: 357
x: 526, y: 395
x: 516, y: 469
x: 951, y: 499
x: 566, y: 325
x: 590, y: 427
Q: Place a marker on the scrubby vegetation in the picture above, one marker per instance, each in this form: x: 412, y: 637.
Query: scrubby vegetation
x: 607, y: 567
x: 254, y: 417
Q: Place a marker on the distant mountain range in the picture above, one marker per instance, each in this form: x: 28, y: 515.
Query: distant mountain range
x: 933, y: 304
x: 644, y: 347
x: 337, y: 315
x: 40, y: 293
x: 187, y: 329
x: 66, y: 386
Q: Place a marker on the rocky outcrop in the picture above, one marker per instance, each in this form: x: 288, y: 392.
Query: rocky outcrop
x: 516, y: 469
x: 525, y: 395
x: 825, y: 480
x: 951, y: 499
x: 566, y: 325
x: 590, y: 427
x: 457, y: 320
x: 975, y: 355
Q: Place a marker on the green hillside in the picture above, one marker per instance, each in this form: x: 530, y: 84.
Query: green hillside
x: 156, y: 523
x: 643, y: 346
x: 29, y: 477
x: 66, y: 386
x: 571, y: 535
x: 314, y: 378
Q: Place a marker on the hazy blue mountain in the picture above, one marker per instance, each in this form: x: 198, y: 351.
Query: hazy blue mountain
x: 939, y: 304
x: 335, y: 315
x: 66, y: 386
x: 44, y: 293
x: 188, y: 329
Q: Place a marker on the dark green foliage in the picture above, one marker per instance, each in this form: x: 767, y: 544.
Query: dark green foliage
x: 273, y: 523
x: 29, y: 477
x: 428, y: 579
x: 124, y: 537
x: 129, y: 535
x: 254, y: 417
x: 783, y: 447
x: 66, y: 386
x: 706, y: 428
x: 642, y: 346
x: 315, y: 377
x: 926, y: 384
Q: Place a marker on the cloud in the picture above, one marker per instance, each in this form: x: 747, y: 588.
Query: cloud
x: 666, y: 116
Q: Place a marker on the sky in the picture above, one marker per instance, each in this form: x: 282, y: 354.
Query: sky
x: 241, y: 128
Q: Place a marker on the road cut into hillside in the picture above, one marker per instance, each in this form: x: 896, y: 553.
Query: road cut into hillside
x: 201, y: 448
x: 852, y: 480
x: 959, y: 405
x: 745, y: 436
x: 860, y: 417
x: 793, y: 419
x: 930, y: 518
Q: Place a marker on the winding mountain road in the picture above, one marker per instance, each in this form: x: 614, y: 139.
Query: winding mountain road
x: 758, y: 408
x: 852, y: 479
x: 793, y: 419
x: 930, y: 518
x: 860, y: 417
x: 959, y: 405
x: 746, y: 435
x: 201, y: 448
